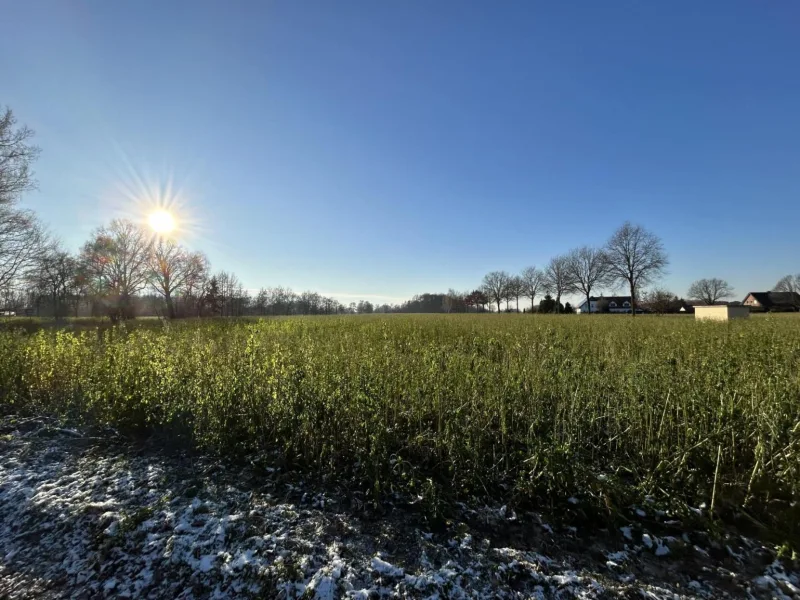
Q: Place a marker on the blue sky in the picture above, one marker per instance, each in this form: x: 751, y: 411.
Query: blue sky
x: 391, y: 148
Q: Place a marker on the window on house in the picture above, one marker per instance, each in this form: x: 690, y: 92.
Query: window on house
x: 626, y: 304
x: 612, y: 305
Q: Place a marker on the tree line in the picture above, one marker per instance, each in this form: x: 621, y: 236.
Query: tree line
x: 124, y: 270
x: 633, y: 257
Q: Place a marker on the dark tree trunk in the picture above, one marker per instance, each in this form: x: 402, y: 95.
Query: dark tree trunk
x: 170, y: 305
x: 125, y: 307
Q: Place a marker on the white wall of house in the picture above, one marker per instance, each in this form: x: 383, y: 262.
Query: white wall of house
x: 751, y: 301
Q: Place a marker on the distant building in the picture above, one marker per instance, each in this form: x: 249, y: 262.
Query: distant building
x: 773, y: 301
x: 603, y: 304
x: 688, y: 306
x: 721, y: 312
x: 18, y: 312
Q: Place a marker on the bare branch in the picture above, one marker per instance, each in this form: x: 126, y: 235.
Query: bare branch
x: 788, y: 284
x: 173, y: 269
x: 494, y: 285
x: 16, y: 157
x: 21, y: 241
x: 532, y: 283
x: 558, y: 278
x: 54, y: 275
x: 588, y: 270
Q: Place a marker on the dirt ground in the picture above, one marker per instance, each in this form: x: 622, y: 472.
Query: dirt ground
x: 88, y: 515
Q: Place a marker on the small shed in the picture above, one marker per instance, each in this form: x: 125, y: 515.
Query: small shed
x: 721, y: 312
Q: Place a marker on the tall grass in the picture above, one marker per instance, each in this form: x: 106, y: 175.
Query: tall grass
x: 519, y: 408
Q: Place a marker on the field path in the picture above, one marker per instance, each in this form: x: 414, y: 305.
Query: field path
x: 94, y: 517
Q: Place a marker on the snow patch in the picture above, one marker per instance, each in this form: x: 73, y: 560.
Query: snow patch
x: 384, y: 568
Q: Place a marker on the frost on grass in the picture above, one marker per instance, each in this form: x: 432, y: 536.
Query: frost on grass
x: 100, y: 519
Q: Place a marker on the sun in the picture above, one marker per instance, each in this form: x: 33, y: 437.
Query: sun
x: 161, y: 221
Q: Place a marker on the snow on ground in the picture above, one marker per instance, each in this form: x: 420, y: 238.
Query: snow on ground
x: 94, y: 518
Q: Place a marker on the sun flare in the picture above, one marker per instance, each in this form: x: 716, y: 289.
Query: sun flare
x: 161, y: 221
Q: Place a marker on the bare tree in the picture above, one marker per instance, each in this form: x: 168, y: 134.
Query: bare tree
x: 514, y: 290
x: 532, y: 282
x: 226, y: 286
x: 710, y: 290
x: 281, y: 301
x: 455, y: 301
x: 233, y: 298
x: 328, y: 303
x: 588, y: 270
x: 365, y: 307
x: 16, y: 157
x: 308, y: 303
x: 116, y: 260
x: 476, y: 298
x: 54, y: 274
x: 241, y: 301
x: 194, y: 286
x: 449, y: 301
x: 22, y: 240
x: 788, y: 284
x: 636, y: 257
x: 91, y: 276
x: 261, y: 301
x: 558, y: 278
x: 494, y: 285
x: 662, y: 301
x: 171, y: 268
x: 12, y: 297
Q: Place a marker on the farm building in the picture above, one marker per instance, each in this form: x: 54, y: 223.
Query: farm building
x: 609, y: 304
x: 773, y: 301
x: 721, y: 312
x: 689, y: 305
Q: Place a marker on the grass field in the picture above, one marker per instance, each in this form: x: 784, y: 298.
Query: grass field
x: 509, y: 408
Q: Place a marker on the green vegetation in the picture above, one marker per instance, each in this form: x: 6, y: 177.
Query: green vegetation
x: 520, y: 409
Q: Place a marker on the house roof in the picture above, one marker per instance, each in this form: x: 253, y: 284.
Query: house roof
x: 617, y: 299
x: 702, y: 303
x: 770, y: 299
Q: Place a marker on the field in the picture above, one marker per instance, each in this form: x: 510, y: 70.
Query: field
x: 514, y: 409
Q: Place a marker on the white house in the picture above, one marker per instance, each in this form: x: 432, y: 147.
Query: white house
x: 612, y: 304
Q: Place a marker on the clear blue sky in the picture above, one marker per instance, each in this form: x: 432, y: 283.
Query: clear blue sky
x: 392, y: 148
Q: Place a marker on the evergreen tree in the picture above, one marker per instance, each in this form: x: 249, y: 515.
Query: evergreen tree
x: 547, y: 305
x: 212, y: 298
